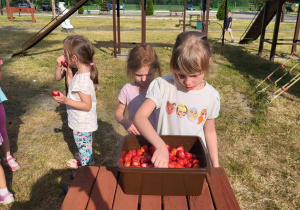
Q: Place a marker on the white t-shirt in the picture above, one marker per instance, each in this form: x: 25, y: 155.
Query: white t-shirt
x: 78, y: 120
x: 183, y: 112
x: 133, y: 99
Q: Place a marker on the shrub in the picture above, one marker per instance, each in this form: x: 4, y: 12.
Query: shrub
x: 221, y: 10
x: 80, y: 10
x: 149, y: 8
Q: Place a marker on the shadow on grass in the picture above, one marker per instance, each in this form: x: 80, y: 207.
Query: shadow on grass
x: 254, y: 67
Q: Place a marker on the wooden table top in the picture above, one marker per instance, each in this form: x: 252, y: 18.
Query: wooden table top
x: 100, y: 188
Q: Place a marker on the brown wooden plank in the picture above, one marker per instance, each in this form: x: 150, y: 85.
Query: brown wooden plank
x: 124, y: 201
x: 79, y: 193
x: 103, y: 192
x: 203, y: 201
x: 150, y: 202
x: 175, y: 202
x: 220, y: 189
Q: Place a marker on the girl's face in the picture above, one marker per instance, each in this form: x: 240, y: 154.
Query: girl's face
x: 68, y: 60
x: 191, y: 81
x: 144, y: 76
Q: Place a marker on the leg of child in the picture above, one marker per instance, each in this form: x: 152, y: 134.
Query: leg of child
x: 84, y: 142
x: 8, y: 159
x: 230, y: 33
x: 5, y: 196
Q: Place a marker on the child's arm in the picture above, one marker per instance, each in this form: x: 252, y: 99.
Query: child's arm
x: 127, y: 124
x: 1, y: 64
x: 85, y: 104
x: 60, y: 70
x: 160, y: 157
x: 211, y: 141
x: 69, y: 75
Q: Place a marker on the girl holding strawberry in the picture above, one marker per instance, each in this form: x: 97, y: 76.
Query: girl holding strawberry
x: 81, y: 97
x: 8, y: 160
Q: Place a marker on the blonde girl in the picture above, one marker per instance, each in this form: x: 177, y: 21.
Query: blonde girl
x: 198, y: 102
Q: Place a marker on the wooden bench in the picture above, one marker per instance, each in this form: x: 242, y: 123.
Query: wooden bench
x: 11, y: 10
x: 100, y: 188
x: 176, y: 11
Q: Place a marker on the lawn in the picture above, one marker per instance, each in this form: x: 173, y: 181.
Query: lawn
x: 258, y: 145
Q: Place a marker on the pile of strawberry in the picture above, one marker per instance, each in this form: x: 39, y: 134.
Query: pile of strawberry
x: 178, y: 158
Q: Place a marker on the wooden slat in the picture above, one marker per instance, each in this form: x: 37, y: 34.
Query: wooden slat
x: 150, y: 202
x: 175, y: 202
x: 103, y: 192
x: 80, y: 189
x: 124, y: 201
x: 221, y: 190
x: 204, y: 201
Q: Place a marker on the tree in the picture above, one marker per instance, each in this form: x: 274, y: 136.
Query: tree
x: 221, y: 10
x: 149, y: 8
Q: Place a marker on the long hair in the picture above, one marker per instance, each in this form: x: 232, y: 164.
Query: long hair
x: 140, y: 56
x: 191, y: 53
x: 83, y: 49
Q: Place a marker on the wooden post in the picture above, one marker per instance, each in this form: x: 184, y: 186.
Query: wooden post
x: 207, y: 16
x: 32, y: 10
x: 223, y: 31
x: 184, y: 13
x: 276, y: 30
x: 1, y: 7
x: 114, y: 27
x: 143, y: 21
x: 296, y: 33
x: 53, y: 9
x: 263, y: 28
x: 118, y: 25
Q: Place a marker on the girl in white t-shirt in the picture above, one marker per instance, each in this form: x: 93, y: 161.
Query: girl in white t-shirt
x: 81, y: 98
x: 142, y: 65
x: 188, y: 104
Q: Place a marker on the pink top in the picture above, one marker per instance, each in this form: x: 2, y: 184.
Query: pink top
x: 133, y: 99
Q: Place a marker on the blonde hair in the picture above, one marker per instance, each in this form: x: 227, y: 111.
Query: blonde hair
x: 191, y: 53
x: 142, y: 55
x: 83, y: 49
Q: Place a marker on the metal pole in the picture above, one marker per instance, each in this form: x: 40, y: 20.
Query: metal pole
x: 223, y: 31
x: 143, y: 21
x: 296, y: 33
x: 114, y: 28
x: 263, y: 28
x: 276, y: 30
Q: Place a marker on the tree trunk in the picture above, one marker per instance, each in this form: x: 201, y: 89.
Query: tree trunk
x: 53, y: 9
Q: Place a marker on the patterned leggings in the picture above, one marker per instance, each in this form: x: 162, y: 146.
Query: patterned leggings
x: 3, y: 123
x: 84, y: 141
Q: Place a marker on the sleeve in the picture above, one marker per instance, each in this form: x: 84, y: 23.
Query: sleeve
x: 155, y: 91
x: 215, y: 109
x: 123, y: 95
x: 83, y: 84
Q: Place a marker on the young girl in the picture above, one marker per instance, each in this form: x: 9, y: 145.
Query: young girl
x: 8, y: 160
x: 81, y: 98
x: 188, y: 104
x: 5, y: 196
x: 142, y: 65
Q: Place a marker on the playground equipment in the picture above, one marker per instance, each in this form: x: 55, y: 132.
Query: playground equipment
x: 11, y: 10
x: 49, y: 28
x: 271, y: 8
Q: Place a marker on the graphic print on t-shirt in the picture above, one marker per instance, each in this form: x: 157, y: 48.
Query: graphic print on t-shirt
x: 181, y: 110
x: 192, y: 114
x: 170, y: 107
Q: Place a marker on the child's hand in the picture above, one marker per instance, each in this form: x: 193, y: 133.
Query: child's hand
x: 1, y: 63
x: 129, y: 126
x: 60, y: 99
x: 60, y: 59
x: 160, y: 157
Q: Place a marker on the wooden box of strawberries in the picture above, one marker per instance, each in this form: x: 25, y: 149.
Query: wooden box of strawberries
x: 189, y: 161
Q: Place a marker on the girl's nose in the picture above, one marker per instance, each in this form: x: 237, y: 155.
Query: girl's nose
x: 144, y: 78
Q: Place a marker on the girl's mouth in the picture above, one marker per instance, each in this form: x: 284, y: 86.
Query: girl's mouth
x: 189, y: 88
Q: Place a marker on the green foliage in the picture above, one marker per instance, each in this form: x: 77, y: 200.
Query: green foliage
x: 221, y: 10
x: 150, y: 7
x: 80, y: 10
x: 104, y: 6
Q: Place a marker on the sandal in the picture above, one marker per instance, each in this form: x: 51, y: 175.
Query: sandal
x: 73, y: 163
x: 7, y: 198
x: 12, y: 163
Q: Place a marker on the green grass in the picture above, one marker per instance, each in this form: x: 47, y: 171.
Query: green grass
x: 258, y: 145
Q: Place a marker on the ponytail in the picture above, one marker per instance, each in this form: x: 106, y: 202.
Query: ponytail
x: 94, y: 73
